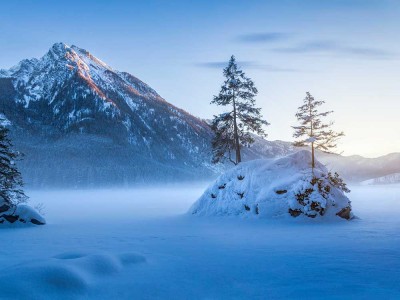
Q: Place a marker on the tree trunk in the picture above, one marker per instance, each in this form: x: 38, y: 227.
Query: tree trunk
x: 312, y: 136
x: 236, y: 134
x: 312, y: 155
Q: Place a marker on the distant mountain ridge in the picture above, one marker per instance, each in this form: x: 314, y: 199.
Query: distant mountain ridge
x: 387, y: 179
x: 81, y: 123
x: 357, y: 168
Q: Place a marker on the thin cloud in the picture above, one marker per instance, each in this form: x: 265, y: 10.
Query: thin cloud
x: 370, y: 52
x: 262, y: 37
x: 329, y: 47
x: 246, y: 65
x: 346, y: 4
x: 316, y: 46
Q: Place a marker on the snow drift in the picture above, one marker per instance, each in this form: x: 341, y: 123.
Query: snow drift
x: 20, y: 213
x: 276, y: 187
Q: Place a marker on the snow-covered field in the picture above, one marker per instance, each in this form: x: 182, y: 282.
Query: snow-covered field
x: 137, y: 244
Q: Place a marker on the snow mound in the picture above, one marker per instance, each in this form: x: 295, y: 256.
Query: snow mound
x: 275, y: 187
x: 65, y: 276
x: 20, y: 213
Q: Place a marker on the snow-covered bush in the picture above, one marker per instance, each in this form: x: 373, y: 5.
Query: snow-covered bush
x: 277, y: 187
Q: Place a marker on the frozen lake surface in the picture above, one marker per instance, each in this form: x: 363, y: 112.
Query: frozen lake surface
x: 138, y: 244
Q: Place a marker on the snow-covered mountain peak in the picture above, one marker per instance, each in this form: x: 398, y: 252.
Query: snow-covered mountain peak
x: 63, y: 65
x: 84, y: 54
x: 74, y: 57
x: 59, y: 49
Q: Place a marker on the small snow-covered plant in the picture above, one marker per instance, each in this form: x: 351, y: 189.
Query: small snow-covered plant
x: 312, y: 198
x: 336, y: 181
x: 40, y: 208
x: 315, y: 193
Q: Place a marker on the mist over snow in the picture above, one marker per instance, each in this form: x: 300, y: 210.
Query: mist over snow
x: 141, y: 244
x: 116, y: 205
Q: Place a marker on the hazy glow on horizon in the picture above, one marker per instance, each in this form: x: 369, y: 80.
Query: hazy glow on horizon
x: 345, y: 52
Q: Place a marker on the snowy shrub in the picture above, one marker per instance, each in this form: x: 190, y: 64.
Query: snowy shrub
x: 286, y: 186
x: 315, y: 193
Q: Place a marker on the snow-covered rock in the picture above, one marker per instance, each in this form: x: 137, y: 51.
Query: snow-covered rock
x: 20, y: 213
x: 275, y: 187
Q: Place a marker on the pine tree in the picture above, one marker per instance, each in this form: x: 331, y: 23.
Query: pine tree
x: 312, y: 130
x: 11, y: 183
x: 233, y: 129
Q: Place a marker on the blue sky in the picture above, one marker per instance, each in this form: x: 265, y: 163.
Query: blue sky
x: 345, y: 52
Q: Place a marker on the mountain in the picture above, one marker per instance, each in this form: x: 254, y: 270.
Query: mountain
x: 356, y: 168
x: 82, y: 123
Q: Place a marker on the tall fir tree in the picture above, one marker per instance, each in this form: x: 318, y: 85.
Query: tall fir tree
x: 312, y: 130
x: 11, y: 184
x: 233, y: 129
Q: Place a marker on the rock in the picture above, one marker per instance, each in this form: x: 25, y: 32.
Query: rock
x: 4, y: 208
x: 345, y: 213
x: 295, y: 212
x: 280, y: 192
x: 10, y: 218
x: 37, y: 222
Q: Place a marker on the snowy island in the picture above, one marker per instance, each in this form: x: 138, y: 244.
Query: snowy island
x: 286, y: 186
